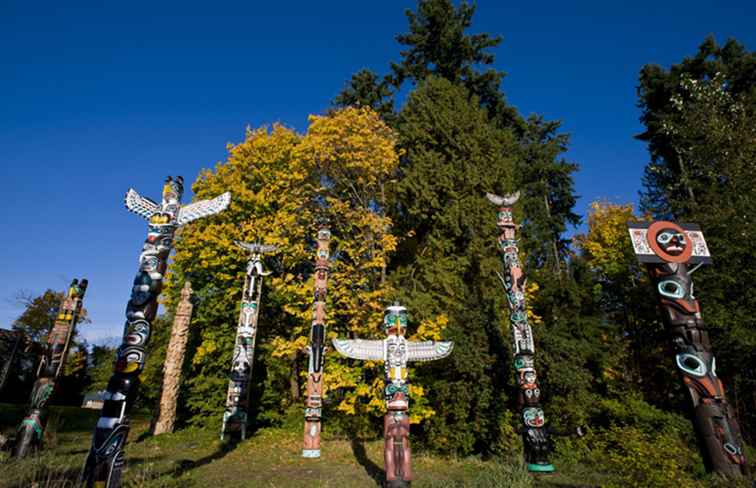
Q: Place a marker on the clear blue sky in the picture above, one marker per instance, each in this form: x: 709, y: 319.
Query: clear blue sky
x: 102, y: 96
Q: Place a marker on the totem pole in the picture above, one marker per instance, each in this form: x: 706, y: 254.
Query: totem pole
x: 667, y: 249
x: 106, y: 457
x: 395, y: 351
x: 174, y: 361
x: 316, y: 349
x: 534, y: 435
x: 237, y: 398
x: 32, y: 428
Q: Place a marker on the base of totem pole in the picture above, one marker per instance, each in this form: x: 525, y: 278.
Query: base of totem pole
x: 311, y: 453
x: 541, y: 468
x: 397, y: 484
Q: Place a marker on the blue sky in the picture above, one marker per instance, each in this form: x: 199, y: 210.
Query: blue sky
x: 97, y: 98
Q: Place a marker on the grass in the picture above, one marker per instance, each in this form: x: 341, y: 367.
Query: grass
x: 270, y: 458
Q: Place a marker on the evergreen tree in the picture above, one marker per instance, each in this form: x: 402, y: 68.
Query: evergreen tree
x: 448, y: 257
x: 437, y: 45
x: 365, y: 89
x: 544, y: 179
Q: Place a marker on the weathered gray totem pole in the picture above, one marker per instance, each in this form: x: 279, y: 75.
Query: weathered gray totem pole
x: 237, y: 398
x: 534, y: 435
x: 667, y: 249
x: 106, y: 457
x: 395, y: 351
x: 32, y: 428
x: 316, y: 349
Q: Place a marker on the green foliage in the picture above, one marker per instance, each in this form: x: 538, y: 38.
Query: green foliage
x: 101, y: 369
x: 447, y: 260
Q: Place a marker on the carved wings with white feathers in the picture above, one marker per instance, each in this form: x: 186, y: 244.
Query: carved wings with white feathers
x: 360, y: 349
x: 203, y: 208
x: 256, y: 248
x: 505, y: 201
x: 428, y: 350
x: 374, y: 350
x: 142, y: 206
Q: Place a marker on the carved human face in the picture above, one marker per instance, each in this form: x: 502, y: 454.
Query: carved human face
x: 671, y: 241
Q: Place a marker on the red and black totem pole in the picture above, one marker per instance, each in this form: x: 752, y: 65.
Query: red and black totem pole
x: 316, y: 349
x: 32, y: 428
x: 534, y: 436
x: 667, y: 249
x: 106, y: 457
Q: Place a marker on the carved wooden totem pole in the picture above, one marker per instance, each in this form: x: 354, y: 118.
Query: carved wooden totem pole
x: 667, y: 249
x: 395, y: 351
x: 106, y: 457
x: 237, y: 398
x: 174, y: 361
x: 32, y: 428
x: 534, y: 435
x: 316, y: 349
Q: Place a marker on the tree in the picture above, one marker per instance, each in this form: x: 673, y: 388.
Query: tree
x: 544, y: 179
x: 660, y: 94
x: 365, y: 89
x: 39, y: 313
x: 283, y: 184
x: 437, y: 45
x: 447, y: 260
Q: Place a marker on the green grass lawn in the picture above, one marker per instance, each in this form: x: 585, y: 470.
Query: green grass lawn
x: 270, y: 458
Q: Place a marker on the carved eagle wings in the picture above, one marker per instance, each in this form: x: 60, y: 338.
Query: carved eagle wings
x: 146, y: 208
x: 203, y: 208
x: 256, y: 248
x: 374, y: 350
x: 142, y: 206
x: 505, y: 201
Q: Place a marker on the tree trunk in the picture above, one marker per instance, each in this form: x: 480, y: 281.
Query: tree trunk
x: 174, y: 361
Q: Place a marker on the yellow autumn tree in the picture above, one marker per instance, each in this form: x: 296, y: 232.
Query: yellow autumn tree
x: 282, y: 185
x: 607, y: 243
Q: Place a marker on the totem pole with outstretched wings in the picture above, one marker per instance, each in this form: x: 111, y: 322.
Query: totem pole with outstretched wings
x: 106, y: 457
x: 395, y: 351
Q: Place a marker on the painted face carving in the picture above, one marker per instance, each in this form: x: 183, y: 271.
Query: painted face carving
x: 533, y: 417
x: 671, y: 241
x: 395, y: 319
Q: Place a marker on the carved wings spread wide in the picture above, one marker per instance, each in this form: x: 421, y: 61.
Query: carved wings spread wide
x: 360, y: 349
x: 428, y: 350
x: 374, y: 350
x: 505, y: 201
x: 203, y: 208
x: 142, y: 206
x: 255, y: 247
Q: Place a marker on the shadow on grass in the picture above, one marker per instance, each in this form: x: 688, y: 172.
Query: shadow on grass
x: 373, y: 470
x: 184, y: 465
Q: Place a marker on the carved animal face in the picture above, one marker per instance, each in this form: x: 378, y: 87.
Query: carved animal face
x: 396, y: 319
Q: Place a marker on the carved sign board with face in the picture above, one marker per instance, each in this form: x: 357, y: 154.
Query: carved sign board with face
x: 667, y: 242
